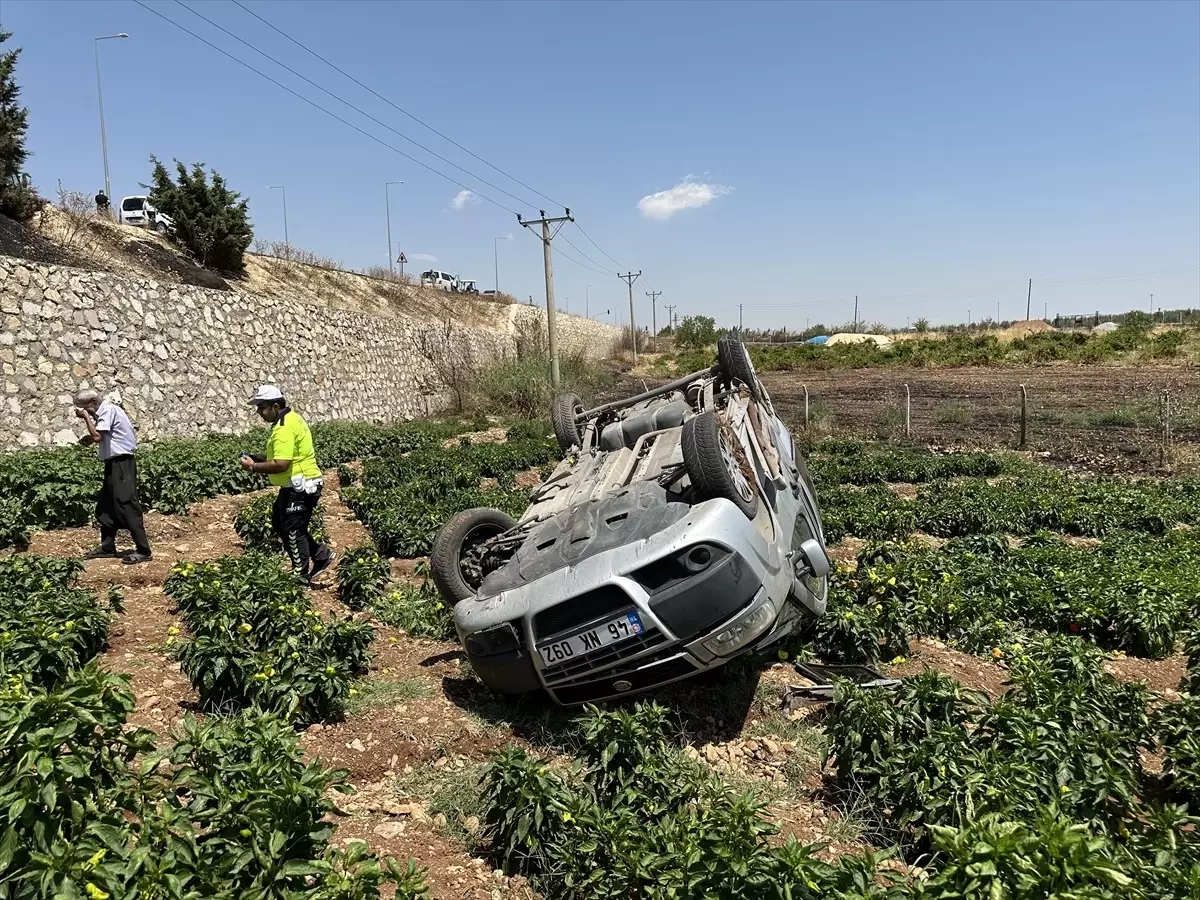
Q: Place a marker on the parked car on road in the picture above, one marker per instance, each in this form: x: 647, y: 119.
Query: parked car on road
x: 680, y: 531
x: 443, y: 281
x: 138, y: 211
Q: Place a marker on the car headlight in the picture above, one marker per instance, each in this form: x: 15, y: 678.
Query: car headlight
x: 491, y: 641
x: 741, y: 631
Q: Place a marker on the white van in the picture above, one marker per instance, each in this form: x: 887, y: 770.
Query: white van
x: 139, y: 212
x: 443, y: 281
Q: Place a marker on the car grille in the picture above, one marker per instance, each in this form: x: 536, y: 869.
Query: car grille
x: 579, y: 610
x: 671, y: 669
x: 604, y: 657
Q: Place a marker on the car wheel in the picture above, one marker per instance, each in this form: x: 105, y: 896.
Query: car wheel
x: 734, y: 360
x: 716, y: 464
x: 453, y: 575
x: 161, y: 227
x: 566, y: 408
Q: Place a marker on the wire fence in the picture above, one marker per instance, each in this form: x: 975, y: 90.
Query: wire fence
x: 1148, y: 424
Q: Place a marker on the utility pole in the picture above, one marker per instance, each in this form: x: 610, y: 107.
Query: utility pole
x: 551, y: 322
x: 739, y: 318
x: 654, y: 295
x: 587, y: 301
x: 856, y: 313
x: 629, y: 278
x: 1028, y: 298
x: 670, y: 317
x: 496, y: 259
x: 1151, y: 304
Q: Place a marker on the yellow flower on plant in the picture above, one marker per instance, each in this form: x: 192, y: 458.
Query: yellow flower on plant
x: 567, y: 817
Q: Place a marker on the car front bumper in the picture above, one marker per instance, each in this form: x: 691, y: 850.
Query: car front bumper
x: 694, y: 617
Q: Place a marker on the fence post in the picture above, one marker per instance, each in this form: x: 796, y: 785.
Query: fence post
x: 806, y: 407
x: 1024, y: 416
x: 1164, y: 457
x: 907, y: 412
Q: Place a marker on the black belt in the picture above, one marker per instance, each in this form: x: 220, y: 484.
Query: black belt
x: 119, y: 457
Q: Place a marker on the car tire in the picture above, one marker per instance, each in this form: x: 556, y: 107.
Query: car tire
x: 734, y: 360
x: 463, y: 532
x: 161, y: 228
x: 566, y: 408
x: 712, y: 465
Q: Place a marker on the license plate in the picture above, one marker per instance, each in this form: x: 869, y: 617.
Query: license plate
x: 610, y: 632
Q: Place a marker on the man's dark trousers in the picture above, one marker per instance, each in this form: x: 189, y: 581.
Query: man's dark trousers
x: 291, y: 518
x: 117, y: 506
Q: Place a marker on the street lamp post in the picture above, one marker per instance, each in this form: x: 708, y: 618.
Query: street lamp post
x: 587, y: 300
x: 100, y: 97
x: 387, y: 200
x: 496, y: 258
x: 286, y: 242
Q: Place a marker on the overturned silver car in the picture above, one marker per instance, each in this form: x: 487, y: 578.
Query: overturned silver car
x: 680, y: 531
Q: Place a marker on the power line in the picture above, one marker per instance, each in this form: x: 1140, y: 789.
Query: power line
x: 399, y: 109
x: 569, y: 257
x: 600, y: 266
x: 598, y: 247
x: 327, y: 112
x: 342, y: 100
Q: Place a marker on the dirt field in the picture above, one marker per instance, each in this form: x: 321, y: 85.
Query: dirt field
x: 1105, y: 417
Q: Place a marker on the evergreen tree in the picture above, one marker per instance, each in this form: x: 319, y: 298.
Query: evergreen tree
x: 210, y: 220
x: 17, y: 199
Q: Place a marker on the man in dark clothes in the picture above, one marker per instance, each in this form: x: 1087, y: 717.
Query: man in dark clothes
x: 117, y: 507
x: 102, y: 206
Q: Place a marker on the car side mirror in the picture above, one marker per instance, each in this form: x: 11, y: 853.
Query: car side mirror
x: 816, y: 557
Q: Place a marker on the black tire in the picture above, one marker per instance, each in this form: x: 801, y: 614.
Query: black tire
x: 464, y: 531
x: 734, y: 360
x: 566, y: 408
x: 161, y: 227
x: 712, y: 466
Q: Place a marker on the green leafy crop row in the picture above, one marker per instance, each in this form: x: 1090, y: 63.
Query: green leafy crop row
x: 90, y: 809
x: 1034, y: 500
x: 48, y: 623
x: 636, y: 818
x: 362, y: 576
x: 256, y: 641
x: 1056, y: 757
x: 1130, y: 593
x: 852, y: 462
x: 405, y: 499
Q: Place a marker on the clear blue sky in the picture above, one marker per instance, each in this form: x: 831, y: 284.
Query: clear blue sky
x: 928, y: 157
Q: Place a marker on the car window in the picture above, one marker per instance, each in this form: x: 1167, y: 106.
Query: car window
x: 427, y: 274
x: 132, y: 203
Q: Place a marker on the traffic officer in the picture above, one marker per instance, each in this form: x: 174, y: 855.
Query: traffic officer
x: 291, y: 465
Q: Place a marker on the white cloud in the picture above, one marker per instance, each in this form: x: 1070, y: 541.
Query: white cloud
x: 424, y: 257
x: 688, y: 194
x: 463, y: 199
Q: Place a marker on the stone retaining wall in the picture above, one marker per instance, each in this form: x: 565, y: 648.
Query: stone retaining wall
x: 184, y: 359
